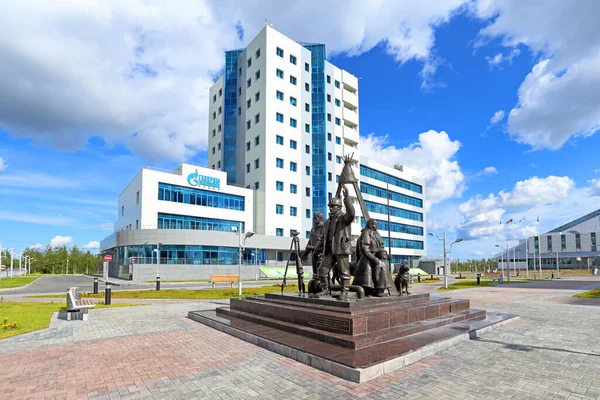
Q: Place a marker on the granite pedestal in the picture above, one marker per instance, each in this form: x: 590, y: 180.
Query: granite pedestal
x: 355, y: 339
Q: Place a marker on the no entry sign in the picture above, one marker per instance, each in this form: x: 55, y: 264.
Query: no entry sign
x: 108, y: 257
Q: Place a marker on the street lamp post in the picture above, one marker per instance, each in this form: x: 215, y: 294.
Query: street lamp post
x: 12, y: 256
x: 446, y: 270
x: 501, y: 259
x: 246, y: 236
x: 157, y: 262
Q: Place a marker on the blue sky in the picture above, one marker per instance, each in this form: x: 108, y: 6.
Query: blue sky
x: 90, y: 98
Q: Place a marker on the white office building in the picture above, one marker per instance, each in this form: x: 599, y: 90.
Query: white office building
x: 281, y: 120
x: 573, y: 245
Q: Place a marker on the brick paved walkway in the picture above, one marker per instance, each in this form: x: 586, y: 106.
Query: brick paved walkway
x: 552, y: 352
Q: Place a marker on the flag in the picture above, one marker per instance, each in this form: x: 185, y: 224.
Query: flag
x: 538, y: 219
x: 522, y: 219
x: 509, y: 221
x: 500, y: 222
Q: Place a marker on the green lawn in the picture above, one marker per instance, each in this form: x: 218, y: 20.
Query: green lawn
x: 590, y: 294
x: 205, y: 294
x: 17, y: 281
x: 32, y: 316
x: 468, y: 283
x: 187, y: 280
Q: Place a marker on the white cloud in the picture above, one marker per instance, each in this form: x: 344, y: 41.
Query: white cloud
x: 560, y: 98
x: 59, y: 241
x: 35, y: 218
x: 497, y: 117
x: 137, y: 72
x: 432, y: 156
x: 94, y: 244
x: 499, y: 59
x: 3, y: 165
x: 487, y: 216
x: 594, y: 187
x: 107, y: 226
x: 37, y: 246
x: 491, y: 170
x: 42, y: 180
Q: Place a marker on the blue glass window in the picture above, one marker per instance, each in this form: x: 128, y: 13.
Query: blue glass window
x: 293, y: 144
x: 256, y: 185
x: 278, y: 209
x: 307, y: 128
x: 329, y: 136
x: 396, y: 227
x: 404, y: 243
x: 279, y: 139
x: 383, y: 193
x: 292, y: 231
x: 293, y: 188
x: 338, y: 121
x: 329, y: 98
x: 256, y: 163
x: 306, y: 67
x: 293, y: 80
x: 308, y: 234
x: 337, y: 84
x: 293, y: 59
x: 279, y: 117
x: 279, y: 95
x: 307, y: 213
x: 256, y: 140
x: 249, y: 82
x: 279, y: 186
x: 307, y: 169
x: 306, y: 108
x: 257, y: 118
x: 279, y: 162
x: 338, y: 159
x: 307, y: 149
x: 258, y: 53
x: 338, y: 140
x: 392, y: 180
x: 329, y: 176
x: 307, y: 87
x: 280, y: 52
x: 279, y: 231
x: 200, y: 197
x: 328, y: 117
x: 293, y: 211
x: 257, y: 75
x: 293, y: 123
x: 174, y: 221
x: 307, y: 192
x: 328, y: 79
x: 248, y: 124
x: 293, y: 101
x: 293, y: 166
x: 248, y: 168
x: 395, y: 212
x: 337, y: 102
x: 279, y: 73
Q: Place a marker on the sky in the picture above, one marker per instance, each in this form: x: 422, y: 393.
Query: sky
x: 496, y: 104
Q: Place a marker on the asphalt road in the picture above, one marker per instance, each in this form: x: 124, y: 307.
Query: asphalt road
x: 53, y: 284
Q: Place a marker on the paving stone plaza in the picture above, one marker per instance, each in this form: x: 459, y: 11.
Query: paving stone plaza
x: 552, y: 351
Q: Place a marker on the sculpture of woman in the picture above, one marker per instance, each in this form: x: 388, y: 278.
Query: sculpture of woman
x: 371, y: 271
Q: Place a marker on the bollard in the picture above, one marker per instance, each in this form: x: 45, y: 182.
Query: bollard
x: 431, y: 276
x: 460, y: 274
x: 419, y: 277
x: 107, y: 293
x: 158, y: 283
x: 479, y: 279
x: 95, y: 285
x: 552, y: 276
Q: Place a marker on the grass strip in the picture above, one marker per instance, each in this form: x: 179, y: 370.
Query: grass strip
x: 32, y: 316
x: 17, y: 281
x: 204, y: 294
x: 590, y: 294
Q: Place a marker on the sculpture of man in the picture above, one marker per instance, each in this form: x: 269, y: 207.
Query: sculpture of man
x: 402, y: 279
x: 371, y: 272
x: 315, y: 234
x: 335, y: 244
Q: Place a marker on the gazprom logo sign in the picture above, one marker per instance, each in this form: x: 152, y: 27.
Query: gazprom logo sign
x: 195, y: 179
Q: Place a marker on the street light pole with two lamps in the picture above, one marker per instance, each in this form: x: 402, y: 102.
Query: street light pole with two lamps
x: 446, y: 269
x: 246, y: 236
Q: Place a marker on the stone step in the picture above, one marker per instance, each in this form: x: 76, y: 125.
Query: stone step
x: 354, y: 341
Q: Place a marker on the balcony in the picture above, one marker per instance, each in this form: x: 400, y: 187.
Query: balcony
x: 350, y: 99
x: 350, y: 134
x: 350, y: 115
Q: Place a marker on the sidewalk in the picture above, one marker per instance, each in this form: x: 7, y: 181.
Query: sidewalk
x: 155, y: 352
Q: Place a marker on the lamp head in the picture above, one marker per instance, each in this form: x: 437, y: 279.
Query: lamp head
x: 248, y: 234
x: 458, y: 240
x: 574, y: 232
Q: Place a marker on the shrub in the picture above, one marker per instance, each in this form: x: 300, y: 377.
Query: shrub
x: 5, y: 325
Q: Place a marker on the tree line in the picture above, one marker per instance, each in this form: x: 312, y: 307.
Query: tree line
x: 53, y: 260
x: 473, y: 265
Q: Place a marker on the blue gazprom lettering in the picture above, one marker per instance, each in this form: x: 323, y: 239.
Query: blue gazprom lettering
x: 195, y: 179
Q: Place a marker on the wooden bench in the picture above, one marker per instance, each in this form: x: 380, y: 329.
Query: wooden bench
x: 76, y: 306
x: 492, y: 275
x: 223, y: 278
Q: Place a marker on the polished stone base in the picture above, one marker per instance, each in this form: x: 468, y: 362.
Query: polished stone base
x: 356, y: 339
